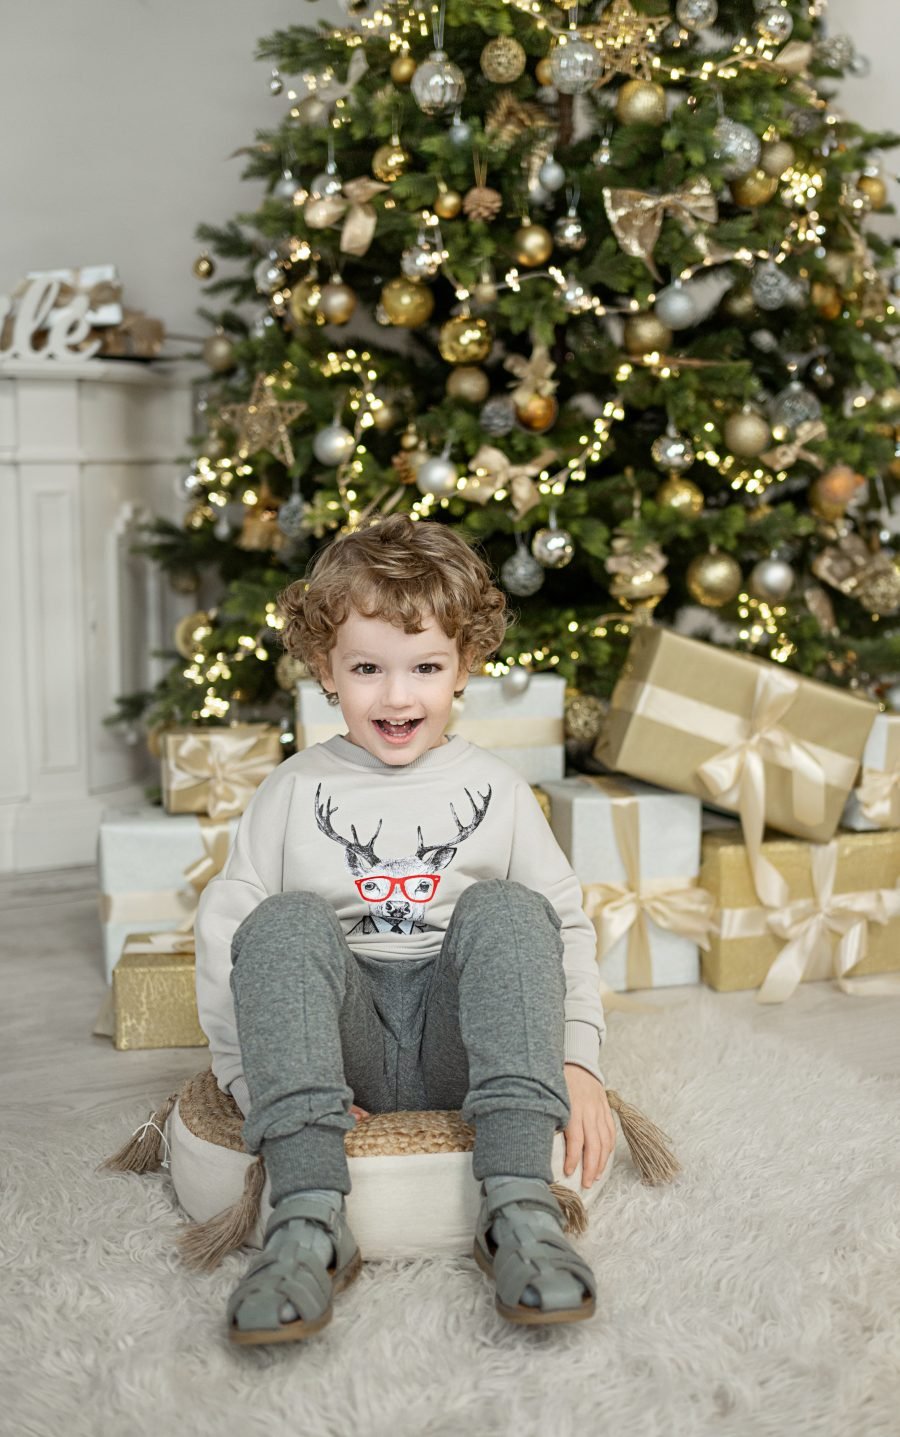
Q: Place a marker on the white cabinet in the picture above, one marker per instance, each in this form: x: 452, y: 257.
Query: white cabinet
x: 87, y: 453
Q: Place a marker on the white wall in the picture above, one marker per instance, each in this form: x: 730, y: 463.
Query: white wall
x: 117, y: 118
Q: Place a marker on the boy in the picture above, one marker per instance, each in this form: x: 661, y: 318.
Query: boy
x: 397, y: 924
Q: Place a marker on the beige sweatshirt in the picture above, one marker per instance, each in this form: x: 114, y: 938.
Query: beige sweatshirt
x: 478, y: 818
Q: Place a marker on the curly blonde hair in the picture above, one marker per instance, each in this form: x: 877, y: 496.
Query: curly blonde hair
x: 401, y: 570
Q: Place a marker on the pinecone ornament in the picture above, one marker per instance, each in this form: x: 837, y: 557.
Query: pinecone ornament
x: 508, y: 118
x: 482, y: 203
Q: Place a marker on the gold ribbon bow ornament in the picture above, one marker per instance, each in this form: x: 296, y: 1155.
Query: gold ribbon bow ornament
x: 617, y: 909
x: 491, y: 470
x: 636, y: 217
x: 809, y: 926
x: 737, y: 776
x: 354, y: 206
x: 221, y: 765
x: 784, y: 455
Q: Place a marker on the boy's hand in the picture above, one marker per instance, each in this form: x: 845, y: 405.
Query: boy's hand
x: 358, y: 1112
x: 590, y: 1126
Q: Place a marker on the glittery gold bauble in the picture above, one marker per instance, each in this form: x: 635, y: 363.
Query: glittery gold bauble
x: 533, y: 245
x: 645, y: 334
x: 713, y: 579
x: 185, y: 629
x: 502, y: 60
x: 584, y: 715
x: 402, y: 69
x: 304, y: 301
x: 775, y: 157
x: 465, y: 340
x: 747, y: 434
x: 448, y: 204
x: 538, y: 413
x: 289, y: 671
x: 739, y: 302
x: 337, y: 302
x: 875, y: 190
x: 680, y: 494
x: 543, y: 71
x: 218, y: 352
x: 754, y: 189
x: 468, y: 382
x: 389, y: 162
x: 827, y: 299
x: 203, y: 266
x: 407, y: 303
x: 641, y: 102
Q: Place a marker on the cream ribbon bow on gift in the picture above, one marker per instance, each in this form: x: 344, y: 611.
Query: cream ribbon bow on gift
x: 676, y: 904
x: 808, y: 926
x: 219, y: 759
x: 150, y: 906
x: 737, y: 776
x: 498, y: 472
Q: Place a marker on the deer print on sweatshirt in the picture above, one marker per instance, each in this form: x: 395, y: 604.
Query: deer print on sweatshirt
x: 398, y: 890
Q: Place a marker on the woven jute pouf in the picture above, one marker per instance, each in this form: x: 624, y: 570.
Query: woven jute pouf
x: 413, y: 1193
x: 412, y: 1189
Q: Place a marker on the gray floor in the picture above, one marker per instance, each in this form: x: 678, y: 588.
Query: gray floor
x: 53, y: 987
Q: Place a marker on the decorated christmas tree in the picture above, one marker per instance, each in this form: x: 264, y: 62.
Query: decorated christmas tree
x: 598, y: 288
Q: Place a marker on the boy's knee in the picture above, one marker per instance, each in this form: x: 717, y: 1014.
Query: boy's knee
x: 283, y: 913
x: 491, y: 894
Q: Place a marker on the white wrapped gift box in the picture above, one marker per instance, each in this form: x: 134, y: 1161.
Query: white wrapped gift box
x: 875, y: 801
x: 636, y: 851
x: 153, y: 866
x: 526, y: 729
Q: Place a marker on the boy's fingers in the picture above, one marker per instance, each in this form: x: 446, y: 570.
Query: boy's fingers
x: 574, y: 1144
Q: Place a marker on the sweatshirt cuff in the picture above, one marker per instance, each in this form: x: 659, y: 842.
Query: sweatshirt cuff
x: 582, y: 1046
x: 241, y: 1093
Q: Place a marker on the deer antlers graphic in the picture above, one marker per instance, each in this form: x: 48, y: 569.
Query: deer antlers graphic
x: 355, y: 849
x: 361, y: 857
x: 463, y: 829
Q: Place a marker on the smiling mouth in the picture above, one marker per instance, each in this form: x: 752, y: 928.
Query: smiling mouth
x: 397, y: 730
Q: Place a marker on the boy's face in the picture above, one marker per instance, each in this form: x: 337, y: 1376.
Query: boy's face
x: 379, y: 672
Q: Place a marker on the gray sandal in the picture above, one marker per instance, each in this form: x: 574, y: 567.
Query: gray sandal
x: 287, y: 1270
x: 534, y: 1259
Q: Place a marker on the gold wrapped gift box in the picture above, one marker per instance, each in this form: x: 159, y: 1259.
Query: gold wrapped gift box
x: 217, y: 770
x: 154, y: 997
x: 838, y: 892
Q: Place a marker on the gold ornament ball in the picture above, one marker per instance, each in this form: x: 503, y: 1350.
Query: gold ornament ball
x: 502, y: 60
x: 543, y: 71
x: 754, y: 189
x: 775, y: 157
x: 641, y: 102
x: 713, y: 579
x: 533, y: 245
x: 680, y: 494
x: 385, y: 417
x: 407, y: 303
x: 409, y: 439
x: 538, y: 413
x: 337, y: 302
x: 645, y: 334
x: 289, y: 671
x: 389, y: 162
x: 465, y: 340
x: 828, y: 509
x: 218, y: 352
x: 402, y: 69
x: 448, y: 204
x: 304, y: 301
x: 584, y: 716
x: 839, y: 484
x: 827, y: 299
x: 875, y: 190
x: 185, y: 629
x: 747, y: 434
x: 739, y: 302
x: 468, y: 382
x: 203, y: 266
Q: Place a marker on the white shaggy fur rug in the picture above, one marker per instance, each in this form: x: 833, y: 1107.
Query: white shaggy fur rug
x: 759, y: 1294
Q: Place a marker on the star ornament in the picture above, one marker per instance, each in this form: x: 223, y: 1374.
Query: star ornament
x: 263, y: 422
x: 624, y: 39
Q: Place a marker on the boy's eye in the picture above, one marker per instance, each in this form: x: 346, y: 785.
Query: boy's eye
x: 357, y: 668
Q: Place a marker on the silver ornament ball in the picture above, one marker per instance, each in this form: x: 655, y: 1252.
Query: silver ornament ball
x: 574, y: 66
x: 420, y: 261
x: 696, y: 14
x: 437, y: 476
x: 291, y: 518
x: 459, y: 133
x: 553, y: 547
x: 334, y: 444
x: 770, y: 285
x: 672, y: 452
x: 285, y: 187
x: 737, y: 146
x: 569, y: 233
x: 775, y: 24
x: 551, y: 174
x: 573, y: 295
x: 438, y: 85
x: 794, y: 406
x: 325, y: 184
x: 498, y: 416
x: 675, y: 307
x: 521, y: 574
x: 268, y: 275
x: 515, y: 681
x: 771, y: 580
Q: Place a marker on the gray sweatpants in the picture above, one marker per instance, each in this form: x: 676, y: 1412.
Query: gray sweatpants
x: 478, y: 1029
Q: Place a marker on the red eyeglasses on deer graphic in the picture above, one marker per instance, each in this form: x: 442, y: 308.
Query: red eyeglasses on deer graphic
x: 398, y: 889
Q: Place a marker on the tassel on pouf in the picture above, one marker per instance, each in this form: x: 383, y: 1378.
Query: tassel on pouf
x: 142, y: 1153
x: 202, y: 1245
x: 648, y: 1144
